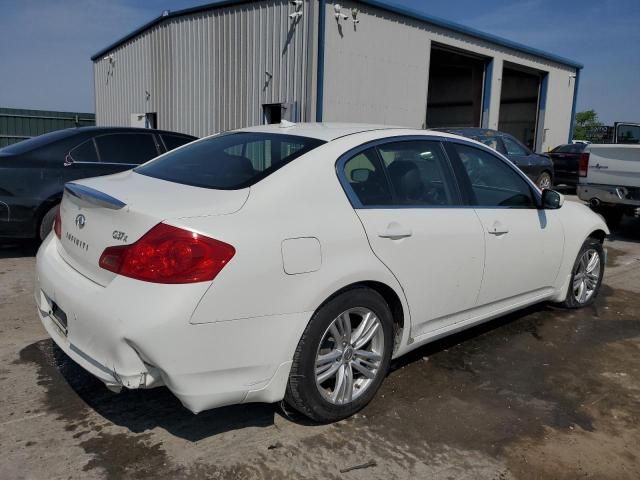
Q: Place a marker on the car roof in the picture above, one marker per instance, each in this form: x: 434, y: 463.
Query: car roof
x: 326, y: 131
x: 466, y: 131
x: 74, y: 130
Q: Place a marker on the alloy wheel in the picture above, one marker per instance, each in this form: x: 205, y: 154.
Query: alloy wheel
x: 586, y: 276
x: 349, y: 355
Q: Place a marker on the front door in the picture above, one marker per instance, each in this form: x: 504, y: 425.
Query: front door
x: 523, y: 244
x: 409, y: 204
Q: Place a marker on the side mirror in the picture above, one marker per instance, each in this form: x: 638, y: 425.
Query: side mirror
x: 360, y: 175
x: 551, y: 200
x: 68, y: 160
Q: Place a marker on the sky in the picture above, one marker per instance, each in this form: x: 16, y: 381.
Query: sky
x: 46, y: 45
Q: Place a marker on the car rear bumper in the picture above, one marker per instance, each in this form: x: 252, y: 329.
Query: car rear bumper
x: 609, y: 195
x: 137, y: 335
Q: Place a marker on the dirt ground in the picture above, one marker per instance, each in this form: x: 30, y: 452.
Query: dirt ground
x: 543, y: 393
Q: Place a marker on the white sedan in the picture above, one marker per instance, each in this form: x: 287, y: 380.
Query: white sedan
x: 295, y: 261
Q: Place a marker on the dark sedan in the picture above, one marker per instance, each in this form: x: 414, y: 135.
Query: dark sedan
x: 33, y: 172
x: 537, y: 167
x: 566, y: 162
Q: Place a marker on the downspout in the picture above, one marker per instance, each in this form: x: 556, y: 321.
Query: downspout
x: 573, y: 108
x: 320, y: 70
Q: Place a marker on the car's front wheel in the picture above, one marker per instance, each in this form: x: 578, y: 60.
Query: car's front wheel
x: 342, y: 357
x: 586, y: 276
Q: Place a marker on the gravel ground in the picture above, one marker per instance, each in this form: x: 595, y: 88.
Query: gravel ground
x: 542, y: 393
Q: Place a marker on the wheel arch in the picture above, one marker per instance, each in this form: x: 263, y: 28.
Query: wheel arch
x: 393, y: 299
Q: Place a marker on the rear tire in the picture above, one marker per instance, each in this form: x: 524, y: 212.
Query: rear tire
x: 46, y: 224
x: 586, y: 275
x: 335, y: 374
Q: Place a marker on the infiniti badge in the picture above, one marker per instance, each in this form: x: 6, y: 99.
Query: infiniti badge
x: 80, y: 221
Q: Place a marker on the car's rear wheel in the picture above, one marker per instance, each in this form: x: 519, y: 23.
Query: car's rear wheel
x: 342, y: 357
x: 46, y: 224
x: 586, y: 276
x: 544, y: 181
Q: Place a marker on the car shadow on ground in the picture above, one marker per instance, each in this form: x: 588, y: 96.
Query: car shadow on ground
x: 18, y: 248
x: 627, y: 231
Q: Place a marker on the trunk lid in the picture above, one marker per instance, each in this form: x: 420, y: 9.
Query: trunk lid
x: 118, y: 209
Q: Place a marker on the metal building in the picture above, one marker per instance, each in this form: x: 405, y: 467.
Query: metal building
x: 19, y: 124
x: 236, y: 63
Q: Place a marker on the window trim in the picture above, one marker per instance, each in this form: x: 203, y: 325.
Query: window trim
x: 95, y: 149
x: 375, y: 144
x: 464, y: 181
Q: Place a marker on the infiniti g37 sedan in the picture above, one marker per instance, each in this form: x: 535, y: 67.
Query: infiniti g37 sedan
x: 294, y: 262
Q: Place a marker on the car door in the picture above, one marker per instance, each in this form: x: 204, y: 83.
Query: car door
x: 523, y: 244
x: 406, y: 197
x: 125, y: 150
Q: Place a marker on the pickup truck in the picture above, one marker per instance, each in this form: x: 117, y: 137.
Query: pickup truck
x: 609, y: 174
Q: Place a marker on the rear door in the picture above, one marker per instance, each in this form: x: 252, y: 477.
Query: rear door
x: 405, y: 194
x: 523, y: 244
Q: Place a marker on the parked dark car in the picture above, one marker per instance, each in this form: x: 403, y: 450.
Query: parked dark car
x: 538, y: 167
x: 34, y: 171
x: 566, y: 162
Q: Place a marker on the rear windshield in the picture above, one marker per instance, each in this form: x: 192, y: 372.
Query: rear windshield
x: 37, y: 142
x: 228, y: 161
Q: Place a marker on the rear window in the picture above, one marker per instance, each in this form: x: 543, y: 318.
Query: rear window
x: 229, y: 161
x: 569, y: 148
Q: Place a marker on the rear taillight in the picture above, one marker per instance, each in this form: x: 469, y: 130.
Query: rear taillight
x: 57, y: 224
x: 583, y: 164
x: 167, y: 254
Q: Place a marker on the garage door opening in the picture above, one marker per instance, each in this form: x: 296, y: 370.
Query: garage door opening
x: 519, y: 103
x: 456, y: 80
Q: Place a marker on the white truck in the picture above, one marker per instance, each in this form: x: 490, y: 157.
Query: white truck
x: 609, y: 174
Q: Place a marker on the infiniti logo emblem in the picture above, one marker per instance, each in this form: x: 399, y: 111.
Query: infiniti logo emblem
x: 80, y: 221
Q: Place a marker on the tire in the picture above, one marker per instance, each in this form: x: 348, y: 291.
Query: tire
x: 544, y: 181
x: 46, y: 224
x: 573, y: 300
x: 324, y: 401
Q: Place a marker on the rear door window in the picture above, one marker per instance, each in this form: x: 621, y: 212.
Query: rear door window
x: 513, y: 147
x: 367, y: 179
x: 84, y: 153
x: 174, y: 141
x: 127, y: 148
x: 419, y: 173
x: 229, y: 161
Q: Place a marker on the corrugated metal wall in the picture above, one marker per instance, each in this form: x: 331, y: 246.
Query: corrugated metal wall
x: 206, y: 72
x: 19, y: 124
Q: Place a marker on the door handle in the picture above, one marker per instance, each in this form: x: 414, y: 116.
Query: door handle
x: 395, y: 231
x: 498, y: 228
